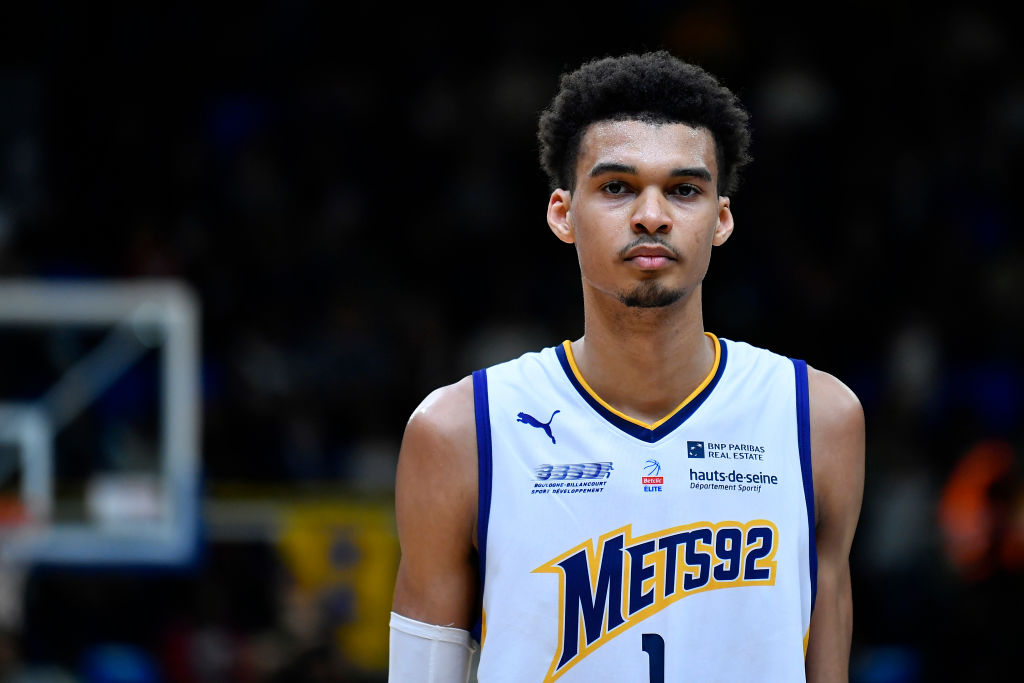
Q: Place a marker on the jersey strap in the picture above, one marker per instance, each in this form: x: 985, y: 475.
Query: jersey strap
x: 803, y: 422
x: 483, y: 449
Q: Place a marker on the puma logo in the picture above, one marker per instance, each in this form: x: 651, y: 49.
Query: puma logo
x: 526, y: 418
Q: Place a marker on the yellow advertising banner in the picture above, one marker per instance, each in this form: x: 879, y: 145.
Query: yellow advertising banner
x: 343, y: 557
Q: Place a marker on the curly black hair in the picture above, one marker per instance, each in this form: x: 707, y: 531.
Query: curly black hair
x: 653, y: 86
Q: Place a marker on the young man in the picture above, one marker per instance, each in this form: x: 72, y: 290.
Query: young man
x: 648, y: 502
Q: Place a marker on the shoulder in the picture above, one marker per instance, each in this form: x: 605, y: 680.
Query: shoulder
x: 438, y: 446
x: 437, y: 459
x: 837, y: 446
x: 439, y: 442
x: 836, y: 412
x: 446, y: 414
x: 834, y: 404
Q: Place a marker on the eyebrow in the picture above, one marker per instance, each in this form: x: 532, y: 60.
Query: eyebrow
x: 611, y: 167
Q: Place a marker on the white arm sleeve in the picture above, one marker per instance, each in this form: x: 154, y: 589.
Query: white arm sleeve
x: 425, y: 653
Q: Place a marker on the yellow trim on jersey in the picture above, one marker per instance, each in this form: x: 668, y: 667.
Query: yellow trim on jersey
x: 807, y: 635
x: 707, y: 380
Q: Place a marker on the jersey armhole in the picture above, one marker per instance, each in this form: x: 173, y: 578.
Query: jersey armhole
x: 483, y: 449
x: 803, y: 422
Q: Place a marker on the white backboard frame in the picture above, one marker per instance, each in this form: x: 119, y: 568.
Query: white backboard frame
x: 157, y: 314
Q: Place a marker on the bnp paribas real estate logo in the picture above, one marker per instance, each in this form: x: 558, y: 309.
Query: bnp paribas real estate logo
x: 695, y: 449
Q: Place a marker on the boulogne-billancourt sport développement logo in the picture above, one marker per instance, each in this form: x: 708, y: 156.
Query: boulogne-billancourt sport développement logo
x: 571, y: 478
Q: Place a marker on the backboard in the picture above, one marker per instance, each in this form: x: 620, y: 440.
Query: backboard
x: 100, y: 411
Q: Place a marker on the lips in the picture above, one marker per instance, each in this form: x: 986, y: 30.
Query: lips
x: 650, y: 256
x: 650, y: 262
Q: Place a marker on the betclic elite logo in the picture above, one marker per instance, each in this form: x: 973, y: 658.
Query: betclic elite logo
x: 652, y: 481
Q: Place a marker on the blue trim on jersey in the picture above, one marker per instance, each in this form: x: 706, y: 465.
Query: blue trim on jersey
x: 483, y: 450
x: 803, y: 425
x: 639, y: 431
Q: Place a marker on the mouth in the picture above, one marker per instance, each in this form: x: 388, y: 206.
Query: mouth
x: 650, y: 262
x: 649, y: 256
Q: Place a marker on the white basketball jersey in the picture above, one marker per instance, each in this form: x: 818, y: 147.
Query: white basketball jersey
x: 615, y: 550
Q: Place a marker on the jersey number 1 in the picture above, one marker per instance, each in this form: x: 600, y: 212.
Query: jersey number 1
x: 654, y: 646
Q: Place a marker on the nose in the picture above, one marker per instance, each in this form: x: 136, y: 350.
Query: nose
x: 651, y: 213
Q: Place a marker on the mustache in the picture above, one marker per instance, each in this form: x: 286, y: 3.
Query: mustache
x: 648, y: 240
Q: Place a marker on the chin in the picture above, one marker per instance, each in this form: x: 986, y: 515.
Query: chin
x: 651, y: 295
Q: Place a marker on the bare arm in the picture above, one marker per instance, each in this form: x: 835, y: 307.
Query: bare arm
x: 435, y: 507
x: 837, y: 454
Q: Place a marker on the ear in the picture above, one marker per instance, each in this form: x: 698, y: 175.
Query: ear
x: 559, y: 219
x: 725, y: 223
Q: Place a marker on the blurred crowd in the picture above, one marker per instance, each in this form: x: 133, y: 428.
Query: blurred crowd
x: 355, y: 198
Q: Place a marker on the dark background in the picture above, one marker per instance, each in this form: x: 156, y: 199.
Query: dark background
x: 354, y: 196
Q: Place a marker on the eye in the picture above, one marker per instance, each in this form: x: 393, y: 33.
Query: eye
x: 615, y: 187
x: 684, y: 190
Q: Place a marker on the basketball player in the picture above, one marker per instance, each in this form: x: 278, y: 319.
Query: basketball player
x: 648, y: 502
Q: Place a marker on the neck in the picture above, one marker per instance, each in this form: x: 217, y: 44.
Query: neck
x: 644, y: 362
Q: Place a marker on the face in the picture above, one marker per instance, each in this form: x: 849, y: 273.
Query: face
x: 645, y: 212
